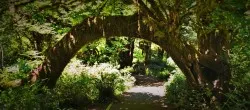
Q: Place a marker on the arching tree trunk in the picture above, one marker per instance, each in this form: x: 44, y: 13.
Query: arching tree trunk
x: 187, y: 58
x: 93, y: 28
x: 58, y: 56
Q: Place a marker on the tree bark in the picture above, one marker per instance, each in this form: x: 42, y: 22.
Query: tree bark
x: 214, y: 60
x: 1, y: 57
x: 38, y: 41
x: 214, y: 51
x: 147, y: 53
x: 160, y: 53
x: 131, y: 49
x: 126, y: 56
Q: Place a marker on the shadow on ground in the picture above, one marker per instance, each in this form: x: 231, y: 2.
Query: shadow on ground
x: 142, y: 80
x: 139, y: 101
x: 147, y: 94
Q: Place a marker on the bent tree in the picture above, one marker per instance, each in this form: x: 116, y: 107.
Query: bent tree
x: 204, y: 64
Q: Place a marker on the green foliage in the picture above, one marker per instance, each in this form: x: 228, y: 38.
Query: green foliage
x: 158, y: 67
x: 28, y: 97
x: 21, y: 69
x: 77, y: 91
x: 90, y: 84
x: 78, y: 87
x: 100, y: 52
x: 50, y: 19
x: 160, y: 71
x: 238, y: 97
x: 117, y: 7
x: 182, y: 96
x: 93, y: 53
x: 231, y: 17
x: 138, y: 53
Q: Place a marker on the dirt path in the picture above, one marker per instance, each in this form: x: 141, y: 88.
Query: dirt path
x: 147, y: 94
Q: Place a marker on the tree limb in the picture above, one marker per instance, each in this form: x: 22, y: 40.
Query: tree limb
x: 144, y: 8
x: 156, y: 9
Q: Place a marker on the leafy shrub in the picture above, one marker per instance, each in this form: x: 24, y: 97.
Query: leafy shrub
x: 76, y: 91
x: 23, y: 66
x: 28, y: 97
x: 179, y: 94
x: 182, y: 96
x: 102, y: 52
x: 96, y: 83
x: 20, y: 70
x: 112, y: 78
x: 160, y: 69
x: 238, y: 97
x: 139, y: 68
x: 161, y: 72
x: 78, y: 87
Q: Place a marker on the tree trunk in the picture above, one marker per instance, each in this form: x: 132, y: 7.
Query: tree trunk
x: 38, y: 41
x: 147, y: 53
x: 160, y: 53
x: 89, y: 30
x: 93, y: 28
x: 131, y: 49
x: 126, y: 56
x: 214, y: 61
x: 214, y: 51
x: 1, y: 57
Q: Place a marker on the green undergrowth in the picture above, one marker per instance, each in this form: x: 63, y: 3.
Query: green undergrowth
x: 79, y: 87
x: 181, y: 96
x: 156, y: 68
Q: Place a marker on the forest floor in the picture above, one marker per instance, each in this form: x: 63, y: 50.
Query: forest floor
x: 147, y: 94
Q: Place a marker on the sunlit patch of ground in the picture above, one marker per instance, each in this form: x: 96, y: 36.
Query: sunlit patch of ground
x: 147, y: 94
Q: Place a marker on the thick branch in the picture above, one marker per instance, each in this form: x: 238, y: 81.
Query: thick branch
x: 88, y: 31
x: 23, y: 3
x: 156, y: 9
x: 145, y: 9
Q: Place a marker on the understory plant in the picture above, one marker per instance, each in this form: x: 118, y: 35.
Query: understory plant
x: 180, y: 95
x: 78, y: 87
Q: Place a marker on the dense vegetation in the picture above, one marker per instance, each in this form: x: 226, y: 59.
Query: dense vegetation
x: 76, y: 53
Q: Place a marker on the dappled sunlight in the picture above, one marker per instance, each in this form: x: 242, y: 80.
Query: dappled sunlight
x: 156, y: 91
x: 142, y: 80
x: 143, y: 95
